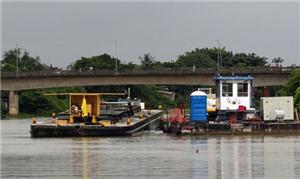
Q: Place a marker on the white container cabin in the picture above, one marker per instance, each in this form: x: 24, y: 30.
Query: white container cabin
x: 234, y: 92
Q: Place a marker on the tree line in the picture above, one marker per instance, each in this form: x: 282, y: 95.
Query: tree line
x: 200, y: 58
x: 34, y: 102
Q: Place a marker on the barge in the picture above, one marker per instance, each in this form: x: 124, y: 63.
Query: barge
x: 245, y: 128
x: 230, y: 112
x: 120, y: 128
x: 86, y: 118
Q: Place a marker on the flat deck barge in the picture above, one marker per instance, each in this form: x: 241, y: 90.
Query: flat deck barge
x: 121, y: 128
x: 245, y: 128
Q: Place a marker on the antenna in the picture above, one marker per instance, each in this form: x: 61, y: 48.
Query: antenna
x: 219, y: 55
x: 17, y: 60
x: 116, y: 56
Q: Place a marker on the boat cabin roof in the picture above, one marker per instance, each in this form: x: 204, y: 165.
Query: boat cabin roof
x: 233, y: 78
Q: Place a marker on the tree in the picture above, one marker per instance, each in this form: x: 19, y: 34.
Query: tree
x: 25, y: 61
x: 292, y: 87
x: 170, y: 64
x: 35, y: 102
x: 147, y: 61
x: 208, y: 57
x: 103, y: 61
x: 127, y: 66
x: 150, y: 95
x: 278, y: 61
x: 197, y: 57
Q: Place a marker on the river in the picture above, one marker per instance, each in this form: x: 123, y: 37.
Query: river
x: 150, y: 154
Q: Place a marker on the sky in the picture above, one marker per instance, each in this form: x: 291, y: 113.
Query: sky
x: 62, y: 32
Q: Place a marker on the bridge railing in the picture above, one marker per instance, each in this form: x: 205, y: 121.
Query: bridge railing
x: 157, y: 71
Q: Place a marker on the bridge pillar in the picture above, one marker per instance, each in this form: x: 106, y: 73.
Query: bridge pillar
x: 266, y: 92
x: 13, y: 102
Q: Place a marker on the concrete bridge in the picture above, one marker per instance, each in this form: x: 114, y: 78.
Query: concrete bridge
x: 14, y: 82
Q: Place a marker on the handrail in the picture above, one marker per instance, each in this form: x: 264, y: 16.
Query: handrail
x: 154, y: 71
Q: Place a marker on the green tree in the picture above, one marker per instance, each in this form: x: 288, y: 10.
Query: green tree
x: 278, y: 61
x: 35, y: 102
x: 25, y: 61
x: 147, y: 61
x: 4, y: 104
x: 208, y: 57
x: 292, y: 87
x: 150, y: 95
x: 170, y: 64
x: 225, y: 57
x: 128, y: 66
x: 197, y: 57
x: 103, y: 61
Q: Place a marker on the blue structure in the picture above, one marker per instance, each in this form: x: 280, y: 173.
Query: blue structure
x: 198, y: 107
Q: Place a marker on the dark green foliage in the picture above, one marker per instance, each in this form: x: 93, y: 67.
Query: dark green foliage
x: 4, y: 110
x: 278, y: 61
x: 103, y: 61
x: 129, y: 66
x: 206, y: 57
x: 248, y: 60
x: 150, y: 95
x: 198, y: 57
x: 292, y: 87
x: 35, y: 102
x: 4, y: 103
x: 25, y: 61
x: 147, y: 61
x: 170, y: 64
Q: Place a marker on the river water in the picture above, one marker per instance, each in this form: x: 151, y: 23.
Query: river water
x: 151, y: 154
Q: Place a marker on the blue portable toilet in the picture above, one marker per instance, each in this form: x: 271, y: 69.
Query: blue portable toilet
x: 198, y: 107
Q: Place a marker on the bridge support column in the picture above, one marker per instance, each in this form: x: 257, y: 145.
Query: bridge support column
x: 13, y: 102
x: 266, y: 92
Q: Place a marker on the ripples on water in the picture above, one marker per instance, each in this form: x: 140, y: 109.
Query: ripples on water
x: 149, y: 155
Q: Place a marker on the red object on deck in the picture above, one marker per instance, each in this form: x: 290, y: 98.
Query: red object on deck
x: 242, y: 108
x: 175, y: 115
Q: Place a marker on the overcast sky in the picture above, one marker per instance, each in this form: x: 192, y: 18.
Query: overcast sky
x: 61, y: 32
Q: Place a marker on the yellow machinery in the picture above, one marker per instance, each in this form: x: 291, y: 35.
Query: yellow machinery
x: 83, y: 105
x: 89, y: 104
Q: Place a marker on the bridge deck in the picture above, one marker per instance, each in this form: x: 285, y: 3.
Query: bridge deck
x: 12, y: 81
x: 159, y: 71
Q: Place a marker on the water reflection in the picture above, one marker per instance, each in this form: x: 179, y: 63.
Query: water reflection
x: 246, y: 157
x: 150, y: 155
x: 80, y: 157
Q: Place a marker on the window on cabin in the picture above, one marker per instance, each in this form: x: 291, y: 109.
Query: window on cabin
x: 242, y: 89
x: 227, y: 89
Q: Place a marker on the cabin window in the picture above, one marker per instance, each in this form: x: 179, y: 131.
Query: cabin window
x: 242, y: 89
x: 227, y: 89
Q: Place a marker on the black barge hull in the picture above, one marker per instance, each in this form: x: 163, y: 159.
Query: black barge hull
x: 77, y: 130
x: 242, y: 129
